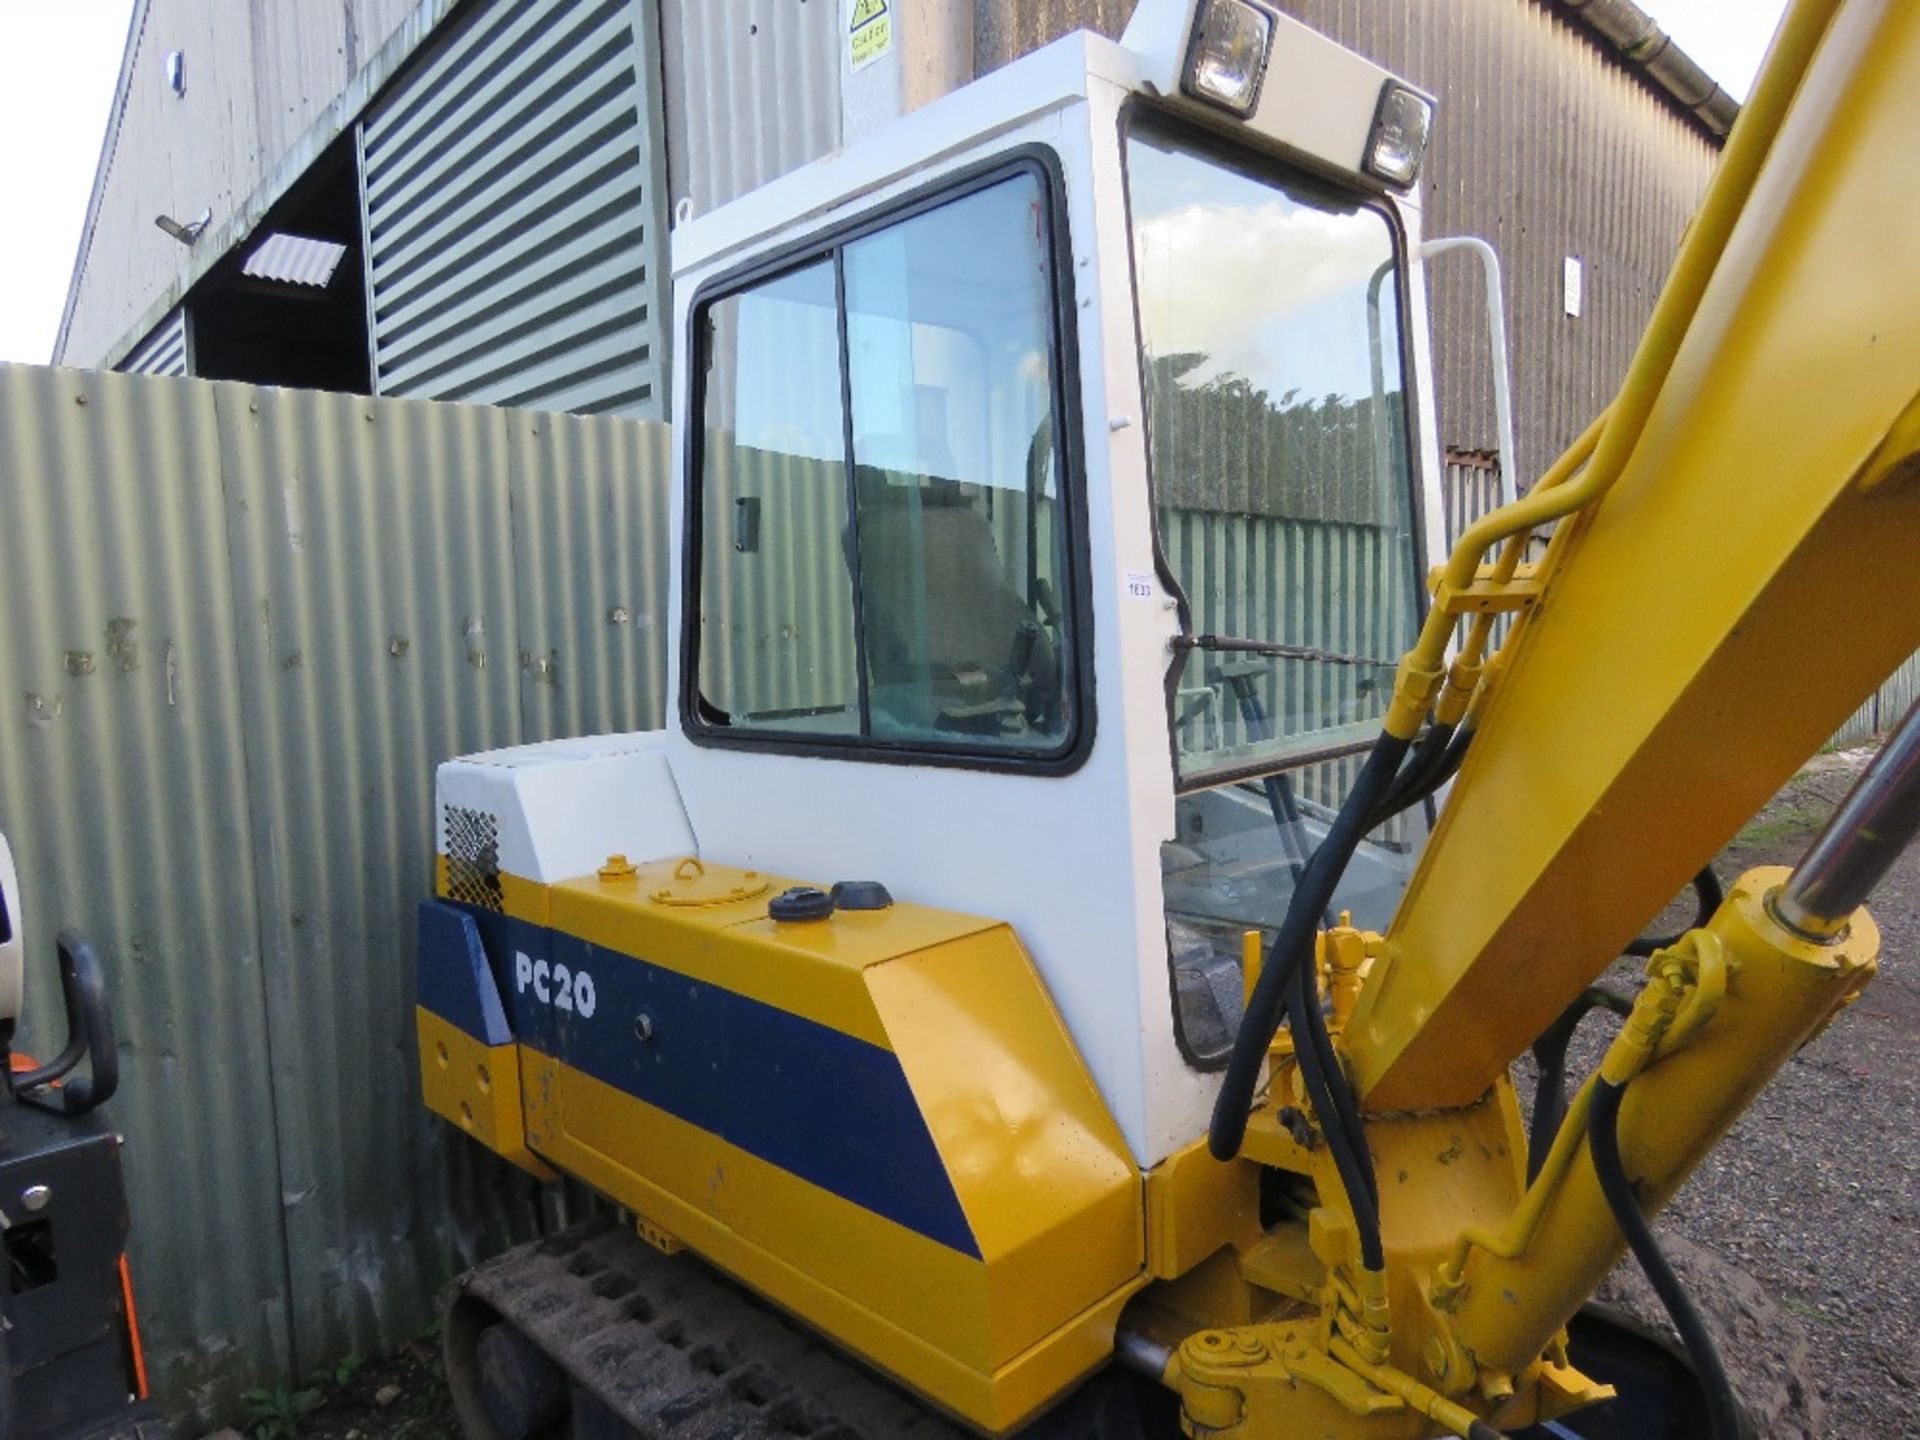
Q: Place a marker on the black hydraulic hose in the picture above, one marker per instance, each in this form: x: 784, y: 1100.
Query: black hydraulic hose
x: 1292, y: 947
x: 1320, y: 1065
x: 1428, y: 755
x: 1708, y: 893
x: 1550, y: 1056
x: 1333, y: 1102
x: 9, y: 1402
x: 1411, y: 789
x: 1603, y: 1142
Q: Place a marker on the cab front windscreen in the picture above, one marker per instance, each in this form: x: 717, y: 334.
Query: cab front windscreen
x: 1276, y: 396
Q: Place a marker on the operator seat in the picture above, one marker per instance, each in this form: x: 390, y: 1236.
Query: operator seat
x: 951, y: 644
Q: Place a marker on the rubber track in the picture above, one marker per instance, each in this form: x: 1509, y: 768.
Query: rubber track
x: 675, y: 1352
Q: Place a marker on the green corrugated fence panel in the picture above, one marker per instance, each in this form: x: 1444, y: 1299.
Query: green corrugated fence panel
x: 124, y: 789
x: 371, y: 553
x: 243, y: 626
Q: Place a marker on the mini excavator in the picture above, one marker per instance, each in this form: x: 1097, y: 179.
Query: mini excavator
x: 1058, y: 971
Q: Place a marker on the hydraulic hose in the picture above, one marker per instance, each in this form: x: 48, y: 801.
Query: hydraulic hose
x: 1428, y: 757
x: 1603, y: 1143
x: 1708, y: 893
x: 1600, y: 455
x: 1292, y: 947
x: 1339, y: 1117
x: 1411, y: 788
x: 1550, y: 1056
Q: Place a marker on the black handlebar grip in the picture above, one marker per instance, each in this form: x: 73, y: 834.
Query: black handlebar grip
x: 83, y: 985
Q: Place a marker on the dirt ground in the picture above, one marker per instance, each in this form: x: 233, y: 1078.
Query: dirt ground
x: 1803, y: 1226
x: 1816, y: 1190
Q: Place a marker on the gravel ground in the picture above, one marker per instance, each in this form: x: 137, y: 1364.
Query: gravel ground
x: 1815, y: 1193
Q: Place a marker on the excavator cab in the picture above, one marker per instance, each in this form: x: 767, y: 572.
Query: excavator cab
x: 1053, y: 487
x: 1060, y: 464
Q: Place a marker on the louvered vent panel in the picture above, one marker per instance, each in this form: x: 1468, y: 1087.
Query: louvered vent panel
x: 164, y: 351
x: 508, y: 184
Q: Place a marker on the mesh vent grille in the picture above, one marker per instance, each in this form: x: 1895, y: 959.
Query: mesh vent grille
x: 471, y: 843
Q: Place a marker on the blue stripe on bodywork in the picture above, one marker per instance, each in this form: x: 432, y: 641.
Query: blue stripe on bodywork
x: 820, y: 1104
x: 453, y: 978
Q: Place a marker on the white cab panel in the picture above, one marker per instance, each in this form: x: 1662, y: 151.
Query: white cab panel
x: 12, y: 937
x: 564, y: 806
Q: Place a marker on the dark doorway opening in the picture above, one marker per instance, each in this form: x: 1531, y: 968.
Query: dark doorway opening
x: 288, y: 305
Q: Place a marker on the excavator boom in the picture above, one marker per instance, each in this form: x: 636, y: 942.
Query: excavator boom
x: 1717, y: 613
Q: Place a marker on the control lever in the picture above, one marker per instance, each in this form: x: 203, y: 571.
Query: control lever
x: 83, y: 984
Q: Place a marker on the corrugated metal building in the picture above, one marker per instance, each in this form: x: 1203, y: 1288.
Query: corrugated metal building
x: 502, y: 174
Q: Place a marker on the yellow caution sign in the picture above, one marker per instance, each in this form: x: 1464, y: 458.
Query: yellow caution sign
x: 869, y: 32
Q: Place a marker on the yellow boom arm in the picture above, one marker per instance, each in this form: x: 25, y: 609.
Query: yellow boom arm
x: 1740, y: 578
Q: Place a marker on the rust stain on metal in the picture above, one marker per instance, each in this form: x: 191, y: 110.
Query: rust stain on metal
x: 79, y: 662
x: 121, y: 645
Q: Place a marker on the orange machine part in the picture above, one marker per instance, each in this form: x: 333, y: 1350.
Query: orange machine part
x: 134, y: 1346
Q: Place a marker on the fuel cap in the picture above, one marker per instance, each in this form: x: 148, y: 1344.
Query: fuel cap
x: 802, y: 902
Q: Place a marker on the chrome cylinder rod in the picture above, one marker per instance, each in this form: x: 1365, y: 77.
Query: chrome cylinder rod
x: 1861, y: 840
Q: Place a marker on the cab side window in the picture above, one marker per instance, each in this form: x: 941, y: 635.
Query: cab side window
x: 883, y: 557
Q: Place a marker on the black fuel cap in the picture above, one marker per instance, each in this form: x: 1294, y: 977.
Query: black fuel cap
x: 802, y: 902
x: 861, y: 895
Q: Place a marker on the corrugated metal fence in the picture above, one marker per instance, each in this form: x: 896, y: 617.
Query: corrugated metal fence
x: 242, y: 627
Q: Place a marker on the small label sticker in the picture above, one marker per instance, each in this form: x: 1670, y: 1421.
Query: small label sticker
x: 1572, y: 286
x: 869, y: 32
x: 1140, y: 585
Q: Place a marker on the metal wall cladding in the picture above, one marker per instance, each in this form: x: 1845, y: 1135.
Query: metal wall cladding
x: 258, y: 77
x: 1548, y: 149
x: 244, y: 626
x: 515, y: 230
x: 1004, y: 30
x: 164, y: 351
x: 1543, y: 146
x: 752, y: 91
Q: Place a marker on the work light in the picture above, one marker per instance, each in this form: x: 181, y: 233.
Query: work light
x: 1229, y: 53
x: 1399, y: 139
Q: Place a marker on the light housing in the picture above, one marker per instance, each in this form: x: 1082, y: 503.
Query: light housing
x: 1398, y: 143
x: 1227, y: 58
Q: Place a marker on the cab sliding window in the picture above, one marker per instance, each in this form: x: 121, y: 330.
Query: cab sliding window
x: 883, y: 501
